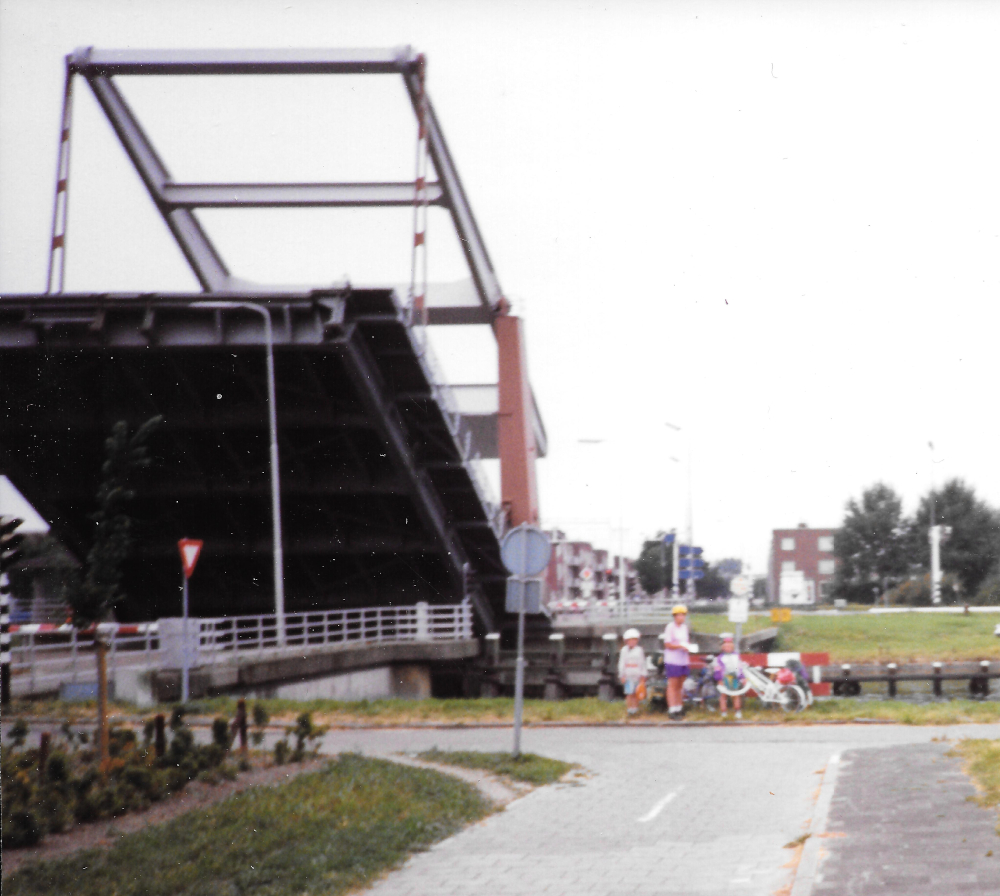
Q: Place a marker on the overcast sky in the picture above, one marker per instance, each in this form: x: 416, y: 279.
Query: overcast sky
x: 774, y: 225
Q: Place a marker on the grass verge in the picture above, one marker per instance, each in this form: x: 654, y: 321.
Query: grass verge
x: 527, y: 767
x: 982, y: 764
x: 587, y: 710
x: 899, y: 638
x: 325, y: 832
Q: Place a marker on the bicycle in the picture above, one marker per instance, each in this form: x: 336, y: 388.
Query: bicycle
x: 790, y: 697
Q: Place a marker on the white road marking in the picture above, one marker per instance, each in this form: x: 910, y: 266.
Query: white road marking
x: 658, y: 808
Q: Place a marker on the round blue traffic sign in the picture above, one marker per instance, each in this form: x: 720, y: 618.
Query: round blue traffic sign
x: 525, y: 551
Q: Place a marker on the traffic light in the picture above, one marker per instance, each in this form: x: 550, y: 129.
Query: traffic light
x: 10, y: 541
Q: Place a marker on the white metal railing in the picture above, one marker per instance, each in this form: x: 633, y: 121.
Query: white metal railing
x: 44, y: 658
x: 43, y: 661
x: 370, y: 625
x: 221, y: 639
x: 574, y: 612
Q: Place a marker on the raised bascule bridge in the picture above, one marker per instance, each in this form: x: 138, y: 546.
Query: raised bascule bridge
x: 382, y: 500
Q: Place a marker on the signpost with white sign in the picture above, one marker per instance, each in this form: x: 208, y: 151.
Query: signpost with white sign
x: 190, y: 550
x: 739, y: 606
x: 525, y: 552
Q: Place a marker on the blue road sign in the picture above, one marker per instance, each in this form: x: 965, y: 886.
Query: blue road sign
x: 525, y: 551
x: 528, y: 590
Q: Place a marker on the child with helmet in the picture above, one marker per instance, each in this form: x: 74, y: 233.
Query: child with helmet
x: 632, y: 670
x: 727, y: 670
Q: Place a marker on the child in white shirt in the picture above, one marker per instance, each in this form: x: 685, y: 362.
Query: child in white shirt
x: 632, y: 669
x: 727, y: 670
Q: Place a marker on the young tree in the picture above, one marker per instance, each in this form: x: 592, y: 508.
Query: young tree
x: 871, y: 544
x: 973, y: 548
x: 655, y: 566
x: 93, y: 600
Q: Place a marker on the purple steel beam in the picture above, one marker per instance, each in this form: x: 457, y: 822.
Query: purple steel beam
x: 176, y: 201
x: 90, y: 62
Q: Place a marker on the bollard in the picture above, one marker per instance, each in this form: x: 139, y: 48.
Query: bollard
x: 241, y: 724
x: 557, y: 645
x: 937, y: 679
x: 493, y: 649
x: 160, y: 739
x: 609, y: 676
x: 43, y: 754
x: 892, y: 669
x: 979, y: 685
x: 489, y: 686
x: 557, y: 656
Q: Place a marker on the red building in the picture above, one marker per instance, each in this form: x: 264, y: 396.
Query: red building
x: 801, y: 565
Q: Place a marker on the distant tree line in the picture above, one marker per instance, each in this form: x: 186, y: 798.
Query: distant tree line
x: 885, y: 554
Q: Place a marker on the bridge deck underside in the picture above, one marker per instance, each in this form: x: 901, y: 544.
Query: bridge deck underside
x: 379, y: 503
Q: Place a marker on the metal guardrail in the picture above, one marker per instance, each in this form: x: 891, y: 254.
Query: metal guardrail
x: 42, y: 661
x: 221, y: 639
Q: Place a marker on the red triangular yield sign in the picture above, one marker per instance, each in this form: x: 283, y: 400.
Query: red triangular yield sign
x: 190, y: 548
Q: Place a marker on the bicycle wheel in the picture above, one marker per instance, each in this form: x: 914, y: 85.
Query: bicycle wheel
x: 791, y: 698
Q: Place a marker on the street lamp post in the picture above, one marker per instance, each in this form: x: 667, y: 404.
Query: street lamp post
x: 690, y: 589
x: 622, y: 590
x: 276, y: 538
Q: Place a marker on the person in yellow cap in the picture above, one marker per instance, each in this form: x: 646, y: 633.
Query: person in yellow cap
x: 676, y: 660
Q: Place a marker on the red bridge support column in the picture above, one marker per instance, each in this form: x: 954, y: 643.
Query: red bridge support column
x: 515, y: 429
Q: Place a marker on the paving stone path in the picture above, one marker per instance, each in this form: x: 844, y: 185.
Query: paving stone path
x: 699, y: 811
x: 908, y: 827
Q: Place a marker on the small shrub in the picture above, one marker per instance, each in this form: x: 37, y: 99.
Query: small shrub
x: 281, y: 752
x: 221, y: 733
x: 260, y: 716
x: 209, y: 776
x: 177, y: 718
x: 19, y: 732
x: 304, y: 730
x: 53, y: 810
x: 57, y: 769
x: 228, y: 771
x: 244, y: 764
x: 139, y: 778
x: 120, y: 740
x: 180, y: 745
x: 21, y: 828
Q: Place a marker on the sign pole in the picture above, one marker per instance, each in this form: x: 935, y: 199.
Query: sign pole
x: 525, y: 552
x: 519, y: 677
x: 190, y: 549
x: 185, y: 662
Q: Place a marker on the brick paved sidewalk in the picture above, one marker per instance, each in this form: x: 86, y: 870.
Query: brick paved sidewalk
x: 908, y: 827
x: 697, y: 811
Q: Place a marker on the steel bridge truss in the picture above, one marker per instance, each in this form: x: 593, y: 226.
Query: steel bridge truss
x: 380, y: 492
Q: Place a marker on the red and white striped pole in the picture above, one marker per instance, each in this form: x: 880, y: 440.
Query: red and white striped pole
x: 418, y: 258
x: 9, y: 555
x: 60, y: 208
